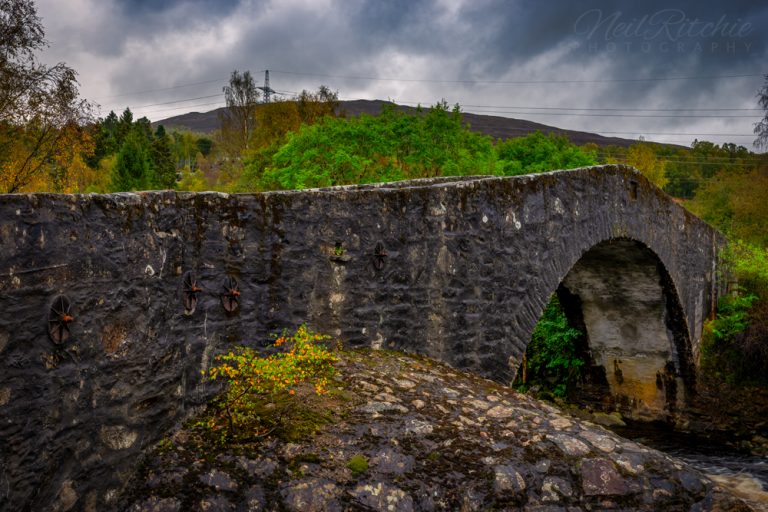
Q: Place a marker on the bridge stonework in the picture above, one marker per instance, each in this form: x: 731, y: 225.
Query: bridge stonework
x: 456, y: 269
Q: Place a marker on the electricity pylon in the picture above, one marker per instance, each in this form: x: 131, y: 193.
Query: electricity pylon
x: 266, y: 89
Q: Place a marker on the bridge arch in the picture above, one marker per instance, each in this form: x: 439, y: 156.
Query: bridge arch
x: 621, y: 295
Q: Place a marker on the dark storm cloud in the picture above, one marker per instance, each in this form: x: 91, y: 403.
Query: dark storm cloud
x: 401, y: 24
x: 388, y: 20
x: 144, y: 19
x: 125, y: 46
x: 153, y: 7
x: 643, y: 36
x: 620, y: 40
x: 625, y: 40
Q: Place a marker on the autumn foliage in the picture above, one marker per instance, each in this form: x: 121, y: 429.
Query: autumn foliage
x: 36, y: 158
x: 253, y: 381
x: 41, y: 139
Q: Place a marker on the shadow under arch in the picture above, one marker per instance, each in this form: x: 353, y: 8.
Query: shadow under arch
x: 620, y: 294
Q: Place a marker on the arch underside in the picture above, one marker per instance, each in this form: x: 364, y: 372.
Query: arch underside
x: 620, y: 293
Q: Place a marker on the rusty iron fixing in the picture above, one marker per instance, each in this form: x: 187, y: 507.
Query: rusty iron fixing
x: 189, y: 292
x: 59, y: 318
x: 230, y: 297
x: 379, y: 256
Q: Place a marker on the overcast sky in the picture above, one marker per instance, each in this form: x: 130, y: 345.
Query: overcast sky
x: 543, y: 61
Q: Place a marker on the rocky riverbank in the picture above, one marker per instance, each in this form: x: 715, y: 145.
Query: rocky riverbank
x: 406, y: 433
x: 737, y: 415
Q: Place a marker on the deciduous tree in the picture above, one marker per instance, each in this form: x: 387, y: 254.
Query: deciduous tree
x: 37, y: 102
x: 537, y: 152
x: 238, y: 120
x: 365, y: 149
x: 642, y: 157
x: 314, y: 106
x: 736, y: 203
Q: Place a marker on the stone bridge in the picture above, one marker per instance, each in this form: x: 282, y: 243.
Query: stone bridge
x: 111, y: 305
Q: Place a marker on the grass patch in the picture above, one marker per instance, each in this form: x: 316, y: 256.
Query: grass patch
x: 358, y: 464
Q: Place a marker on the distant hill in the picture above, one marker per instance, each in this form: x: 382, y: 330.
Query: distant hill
x: 496, y: 126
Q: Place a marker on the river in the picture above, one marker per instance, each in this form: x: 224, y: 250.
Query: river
x: 744, y: 474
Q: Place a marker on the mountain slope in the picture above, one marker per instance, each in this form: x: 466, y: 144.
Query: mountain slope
x: 496, y: 126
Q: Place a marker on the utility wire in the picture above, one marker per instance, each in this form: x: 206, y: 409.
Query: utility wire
x: 623, y: 159
x: 160, y: 89
x: 579, y: 114
x: 673, y: 133
x: 179, y: 101
x: 222, y: 80
x: 579, y: 109
x: 712, y: 159
x: 514, y: 82
x: 182, y: 107
x: 520, y: 113
x: 621, y: 109
x: 692, y: 157
x: 696, y: 109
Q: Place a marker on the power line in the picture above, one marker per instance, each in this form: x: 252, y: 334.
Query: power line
x: 751, y: 161
x: 579, y: 114
x: 515, y: 82
x: 519, y: 113
x: 600, y: 109
x: 179, y: 101
x: 712, y: 159
x: 624, y: 109
x: 688, y: 162
x: 696, y: 163
x: 183, y: 107
x: 536, y: 108
x: 501, y: 82
x: 676, y: 142
x: 671, y: 133
x: 179, y: 86
x: 157, y: 90
x: 615, y: 115
x: 464, y: 105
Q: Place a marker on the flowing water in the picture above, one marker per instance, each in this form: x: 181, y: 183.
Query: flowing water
x: 744, y: 474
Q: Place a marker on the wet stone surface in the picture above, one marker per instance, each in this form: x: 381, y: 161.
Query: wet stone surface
x: 444, y: 440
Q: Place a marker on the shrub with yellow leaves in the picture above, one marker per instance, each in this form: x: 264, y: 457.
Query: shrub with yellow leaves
x: 254, y: 381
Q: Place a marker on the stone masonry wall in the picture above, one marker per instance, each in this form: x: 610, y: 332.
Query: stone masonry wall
x: 457, y: 269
